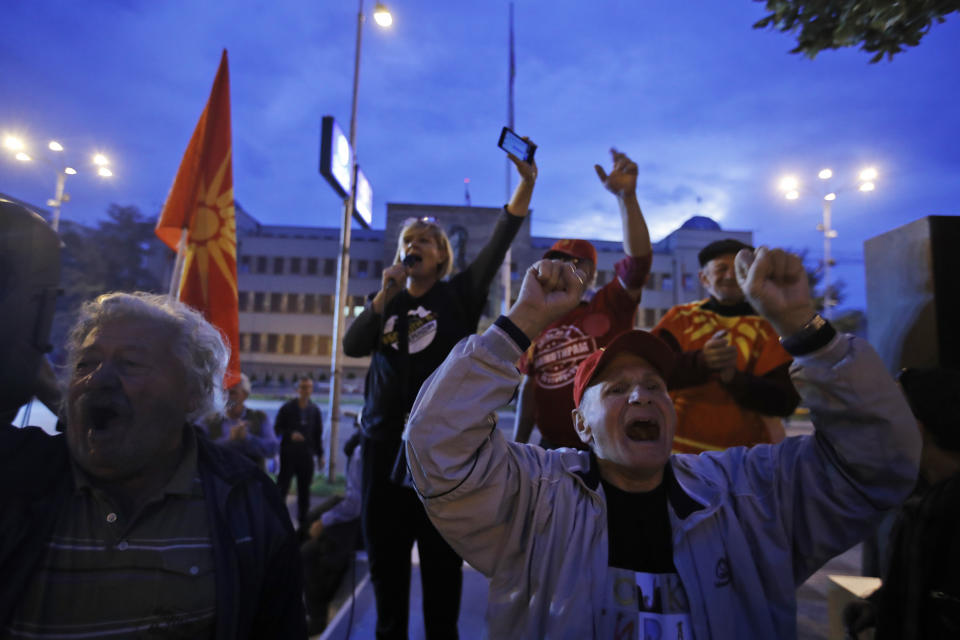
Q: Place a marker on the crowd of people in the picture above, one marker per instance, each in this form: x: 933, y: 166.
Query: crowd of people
x: 662, y: 501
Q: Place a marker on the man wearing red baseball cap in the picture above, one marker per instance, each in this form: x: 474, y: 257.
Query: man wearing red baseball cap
x: 627, y: 540
x: 551, y: 362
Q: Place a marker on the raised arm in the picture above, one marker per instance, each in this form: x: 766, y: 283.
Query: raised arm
x: 622, y: 182
x: 526, y: 415
x: 484, y: 267
x: 477, y: 488
x: 833, y: 487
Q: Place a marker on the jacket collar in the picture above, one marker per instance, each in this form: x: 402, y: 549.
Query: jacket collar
x: 682, y: 502
x: 729, y: 310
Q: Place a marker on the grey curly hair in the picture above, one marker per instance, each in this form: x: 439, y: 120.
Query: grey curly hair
x: 197, y: 344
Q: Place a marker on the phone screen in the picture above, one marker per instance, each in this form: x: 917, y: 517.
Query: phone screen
x: 512, y: 143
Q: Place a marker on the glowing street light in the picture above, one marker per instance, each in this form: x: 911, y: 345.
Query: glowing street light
x: 382, y: 15
x: 19, y: 147
x: 791, y: 188
x: 13, y: 143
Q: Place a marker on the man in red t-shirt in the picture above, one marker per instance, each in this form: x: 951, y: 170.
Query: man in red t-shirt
x: 546, y: 392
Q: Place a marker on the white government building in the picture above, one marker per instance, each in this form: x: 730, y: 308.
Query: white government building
x: 287, y: 280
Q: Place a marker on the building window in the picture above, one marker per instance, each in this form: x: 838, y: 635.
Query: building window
x: 326, y: 305
x: 312, y: 266
x: 288, y: 343
x: 666, y: 282
x: 293, y: 303
x: 329, y: 266
x: 363, y: 267
x: 309, y: 303
x: 649, y: 317
x: 295, y: 265
x: 276, y: 302
x: 243, y: 300
x: 278, y: 266
x: 258, y: 300
x: 689, y: 283
x: 273, y: 342
x: 377, y: 269
x: 651, y: 283
x: 261, y: 264
x: 244, y: 266
x: 244, y: 342
x: 307, y: 345
x: 255, y: 343
x: 323, y: 345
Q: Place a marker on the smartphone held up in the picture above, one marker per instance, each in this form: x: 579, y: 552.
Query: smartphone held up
x: 514, y: 144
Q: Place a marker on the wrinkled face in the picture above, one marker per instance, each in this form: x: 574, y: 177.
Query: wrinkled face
x: 421, y: 240
x: 236, y: 396
x: 626, y: 416
x: 127, y: 401
x: 305, y: 388
x: 719, y: 278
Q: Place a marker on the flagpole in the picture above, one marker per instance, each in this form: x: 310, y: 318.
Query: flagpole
x: 505, y: 268
x: 177, y: 276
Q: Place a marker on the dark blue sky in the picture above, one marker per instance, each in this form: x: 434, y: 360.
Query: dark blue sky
x: 707, y: 106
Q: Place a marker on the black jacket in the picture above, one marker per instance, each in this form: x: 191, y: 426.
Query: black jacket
x: 288, y: 421
x: 256, y: 554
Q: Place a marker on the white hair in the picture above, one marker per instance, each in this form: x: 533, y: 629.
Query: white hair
x: 198, y: 345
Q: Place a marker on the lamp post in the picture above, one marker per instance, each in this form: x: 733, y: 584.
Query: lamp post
x: 18, y: 147
x: 791, y: 188
x: 382, y: 17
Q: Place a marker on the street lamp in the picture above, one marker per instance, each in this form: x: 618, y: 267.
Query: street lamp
x: 18, y: 146
x: 791, y: 188
x: 383, y: 18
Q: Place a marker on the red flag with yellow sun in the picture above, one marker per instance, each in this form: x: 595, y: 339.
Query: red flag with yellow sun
x: 201, y: 202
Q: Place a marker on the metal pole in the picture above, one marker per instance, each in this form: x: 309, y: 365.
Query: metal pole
x: 58, y: 199
x: 827, y: 234
x: 343, y: 267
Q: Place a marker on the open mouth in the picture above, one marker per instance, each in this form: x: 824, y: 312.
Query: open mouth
x: 100, y: 416
x: 643, y: 430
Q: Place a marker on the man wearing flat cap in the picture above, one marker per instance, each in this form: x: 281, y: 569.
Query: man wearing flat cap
x: 626, y: 540
x: 732, y: 383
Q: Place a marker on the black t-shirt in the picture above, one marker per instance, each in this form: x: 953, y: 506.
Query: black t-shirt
x: 640, y: 540
x: 436, y: 321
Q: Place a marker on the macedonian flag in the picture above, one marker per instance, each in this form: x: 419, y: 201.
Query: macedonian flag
x: 201, y: 201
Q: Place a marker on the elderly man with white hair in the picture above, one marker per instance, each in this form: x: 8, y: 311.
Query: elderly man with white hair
x: 130, y: 525
x: 627, y: 540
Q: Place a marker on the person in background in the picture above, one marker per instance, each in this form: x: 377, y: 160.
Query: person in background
x: 545, y: 397
x: 407, y: 328
x: 299, y: 425
x: 244, y: 430
x: 920, y: 596
x: 334, y: 529
x: 731, y: 385
x: 142, y: 528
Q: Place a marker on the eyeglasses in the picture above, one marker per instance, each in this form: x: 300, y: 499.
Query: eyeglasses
x: 421, y: 219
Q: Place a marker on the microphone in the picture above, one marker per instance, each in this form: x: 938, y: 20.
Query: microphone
x: 408, y: 261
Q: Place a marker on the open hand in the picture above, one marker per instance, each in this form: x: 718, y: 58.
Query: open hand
x: 550, y: 289
x: 775, y: 283
x: 622, y: 179
x: 296, y: 436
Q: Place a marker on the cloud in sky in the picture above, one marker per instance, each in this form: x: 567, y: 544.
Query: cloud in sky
x: 712, y: 110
